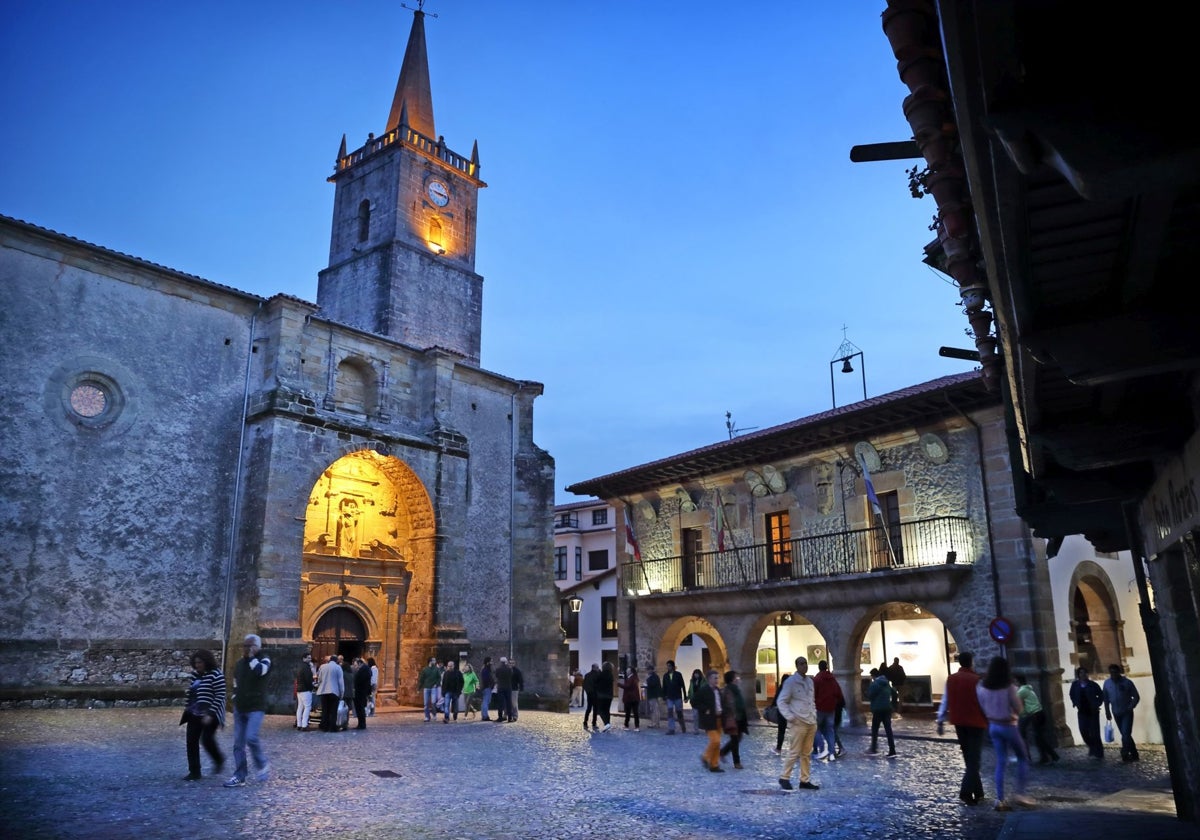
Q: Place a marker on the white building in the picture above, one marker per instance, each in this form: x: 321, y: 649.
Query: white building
x: 585, y: 571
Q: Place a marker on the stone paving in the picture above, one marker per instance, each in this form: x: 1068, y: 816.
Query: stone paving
x: 116, y: 773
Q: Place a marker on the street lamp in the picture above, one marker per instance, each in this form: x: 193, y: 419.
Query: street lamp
x: 844, y: 354
x: 575, y: 603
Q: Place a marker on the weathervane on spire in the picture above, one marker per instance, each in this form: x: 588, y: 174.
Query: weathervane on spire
x: 420, y: 8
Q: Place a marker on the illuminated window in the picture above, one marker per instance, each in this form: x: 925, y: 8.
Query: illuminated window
x: 779, y: 545
x: 608, y: 618
x: 598, y: 560
x: 560, y: 563
x: 600, y: 517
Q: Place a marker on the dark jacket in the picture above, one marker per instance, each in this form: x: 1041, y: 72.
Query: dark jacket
x: 518, y: 679
x: 882, y: 695
x: 604, y: 684
x: 347, y: 683
x: 733, y: 709
x: 654, y: 689
x: 673, y: 686
x: 250, y: 681
x: 1087, y: 697
x: 589, y: 683
x: 304, y: 677
x: 704, y: 701
x: 631, y: 689
x: 504, y: 677
x: 362, y: 682
x: 486, y: 678
x: 452, y: 681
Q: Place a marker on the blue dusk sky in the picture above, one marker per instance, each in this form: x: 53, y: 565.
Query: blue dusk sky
x: 672, y: 228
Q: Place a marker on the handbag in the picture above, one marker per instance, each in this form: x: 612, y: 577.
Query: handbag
x: 771, y: 713
x: 1109, y: 735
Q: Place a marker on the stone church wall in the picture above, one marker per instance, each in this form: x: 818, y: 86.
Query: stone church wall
x: 117, y: 532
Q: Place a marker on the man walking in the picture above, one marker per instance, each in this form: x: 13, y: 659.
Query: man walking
x: 250, y: 682
x: 330, y: 689
x: 487, y: 684
x: 960, y: 704
x: 797, y: 703
x: 897, y: 677
x: 1087, y: 697
x: 429, y: 681
x: 653, y: 696
x: 706, y: 700
x: 827, y: 694
x: 674, y: 692
x: 589, y: 693
x: 452, y: 687
x: 1120, y: 699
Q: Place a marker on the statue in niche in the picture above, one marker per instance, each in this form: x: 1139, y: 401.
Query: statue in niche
x: 823, y: 484
x: 347, y: 527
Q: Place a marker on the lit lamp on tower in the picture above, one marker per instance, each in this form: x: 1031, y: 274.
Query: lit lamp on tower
x: 844, y: 354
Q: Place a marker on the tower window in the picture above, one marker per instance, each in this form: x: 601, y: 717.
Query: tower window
x: 364, y: 220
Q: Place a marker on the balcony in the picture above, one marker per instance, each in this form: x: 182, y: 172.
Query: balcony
x: 566, y: 521
x: 925, y: 542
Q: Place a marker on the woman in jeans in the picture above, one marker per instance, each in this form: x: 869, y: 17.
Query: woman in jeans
x: 1002, y: 707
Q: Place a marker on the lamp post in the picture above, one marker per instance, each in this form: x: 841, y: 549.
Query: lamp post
x: 575, y: 603
x: 844, y: 354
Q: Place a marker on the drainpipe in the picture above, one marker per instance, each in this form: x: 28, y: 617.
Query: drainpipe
x: 512, y: 517
x: 227, y: 606
x: 987, y: 502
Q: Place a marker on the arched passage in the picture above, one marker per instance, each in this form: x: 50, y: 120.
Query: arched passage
x: 368, y: 552
x: 711, y: 651
x: 1095, y: 619
x: 914, y: 637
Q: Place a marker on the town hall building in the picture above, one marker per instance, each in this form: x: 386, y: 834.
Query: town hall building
x: 185, y: 463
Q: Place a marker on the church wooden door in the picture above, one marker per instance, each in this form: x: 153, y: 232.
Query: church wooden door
x: 339, y: 631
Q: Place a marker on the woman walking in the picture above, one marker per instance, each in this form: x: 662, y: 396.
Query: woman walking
x: 205, y: 712
x: 631, y: 696
x: 604, y: 695
x: 735, y: 721
x: 1002, y: 707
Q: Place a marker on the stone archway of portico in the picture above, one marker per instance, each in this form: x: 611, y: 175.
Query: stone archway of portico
x: 679, y: 629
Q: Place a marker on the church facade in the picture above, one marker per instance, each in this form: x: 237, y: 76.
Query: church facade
x: 187, y: 463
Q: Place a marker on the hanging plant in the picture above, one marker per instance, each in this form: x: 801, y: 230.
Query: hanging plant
x: 916, y: 181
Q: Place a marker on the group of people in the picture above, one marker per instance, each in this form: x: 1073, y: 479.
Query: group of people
x: 1007, y: 710
x: 444, y: 688
x: 596, y: 690
x: 335, y: 683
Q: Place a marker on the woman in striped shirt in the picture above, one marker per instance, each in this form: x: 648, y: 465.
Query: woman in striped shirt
x: 205, y: 712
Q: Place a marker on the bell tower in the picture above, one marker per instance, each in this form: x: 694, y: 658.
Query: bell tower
x: 402, y: 250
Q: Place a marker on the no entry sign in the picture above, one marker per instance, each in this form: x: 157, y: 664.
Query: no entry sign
x: 1001, y: 630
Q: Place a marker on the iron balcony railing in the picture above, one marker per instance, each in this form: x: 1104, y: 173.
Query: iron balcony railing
x: 924, y: 542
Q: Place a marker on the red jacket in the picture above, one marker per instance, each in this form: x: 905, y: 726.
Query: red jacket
x: 827, y: 694
x: 962, y: 704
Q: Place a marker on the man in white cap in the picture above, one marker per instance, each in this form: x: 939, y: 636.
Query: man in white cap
x: 250, y: 704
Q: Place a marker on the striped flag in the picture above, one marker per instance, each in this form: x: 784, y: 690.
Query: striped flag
x: 862, y: 462
x: 631, y: 543
x: 719, y: 522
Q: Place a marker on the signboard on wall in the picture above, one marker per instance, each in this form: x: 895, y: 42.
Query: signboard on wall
x: 1172, y: 507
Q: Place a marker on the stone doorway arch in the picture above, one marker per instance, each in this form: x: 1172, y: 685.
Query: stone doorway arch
x: 369, y: 550
x: 1096, y: 626
x: 338, y: 631
x: 714, y: 655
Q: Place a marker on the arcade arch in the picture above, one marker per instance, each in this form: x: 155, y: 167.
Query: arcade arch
x: 1096, y: 626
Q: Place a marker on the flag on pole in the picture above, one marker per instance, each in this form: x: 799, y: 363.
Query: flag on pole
x: 719, y: 522
x: 862, y: 462
x: 631, y: 543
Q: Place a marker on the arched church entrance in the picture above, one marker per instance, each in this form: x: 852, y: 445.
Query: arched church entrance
x: 366, y: 585
x: 339, y: 631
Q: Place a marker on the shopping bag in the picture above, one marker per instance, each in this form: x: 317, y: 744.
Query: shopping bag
x: 1109, y: 735
x: 343, y: 715
x: 771, y: 713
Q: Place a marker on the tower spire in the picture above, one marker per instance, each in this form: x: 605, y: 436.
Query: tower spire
x: 412, y: 90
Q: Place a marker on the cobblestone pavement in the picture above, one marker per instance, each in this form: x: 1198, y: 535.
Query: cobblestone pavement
x: 116, y: 773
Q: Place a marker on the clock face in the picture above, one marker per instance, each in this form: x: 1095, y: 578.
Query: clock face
x: 438, y: 192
